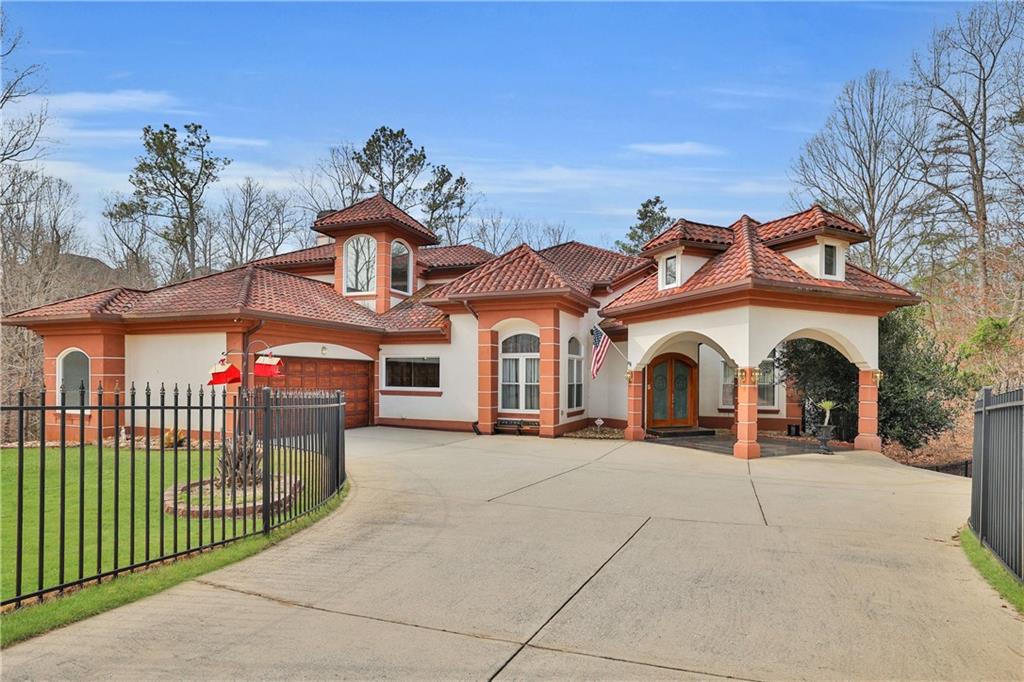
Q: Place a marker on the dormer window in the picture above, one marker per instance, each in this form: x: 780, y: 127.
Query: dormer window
x: 831, y: 269
x: 670, y: 271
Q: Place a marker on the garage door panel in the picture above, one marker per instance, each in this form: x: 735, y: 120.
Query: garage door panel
x: 350, y: 376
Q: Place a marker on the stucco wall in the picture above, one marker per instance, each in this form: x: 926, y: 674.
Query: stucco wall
x: 458, y: 401
x: 171, y: 358
x: 746, y: 334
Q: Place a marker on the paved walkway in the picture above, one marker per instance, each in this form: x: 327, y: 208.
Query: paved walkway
x: 462, y: 557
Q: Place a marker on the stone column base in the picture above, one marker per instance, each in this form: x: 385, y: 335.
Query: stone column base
x: 635, y: 433
x: 746, y: 450
x: 867, y: 441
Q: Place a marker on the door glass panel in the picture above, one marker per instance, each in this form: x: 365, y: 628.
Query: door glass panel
x: 681, y: 390
x: 659, y: 391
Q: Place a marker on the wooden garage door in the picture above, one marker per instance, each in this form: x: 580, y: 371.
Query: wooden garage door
x: 350, y: 376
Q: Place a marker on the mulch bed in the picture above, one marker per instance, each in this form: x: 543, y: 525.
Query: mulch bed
x: 594, y: 433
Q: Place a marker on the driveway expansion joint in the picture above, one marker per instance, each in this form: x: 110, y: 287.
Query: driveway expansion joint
x: 660, y: 666
x: 313, y: 607
x: 560, y: 473
x: 571, y: 597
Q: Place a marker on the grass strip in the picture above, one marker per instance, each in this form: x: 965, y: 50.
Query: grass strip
x: 34, y: 620
x: 992, y: 570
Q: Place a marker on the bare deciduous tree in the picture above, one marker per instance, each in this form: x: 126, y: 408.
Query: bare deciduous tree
x: 497, y: 233
x: 859, y: 165
x: 19, y: 131
x: 963, y: 86
x: 128, y: 245
x: 255, y: 222
x: 334, y: 182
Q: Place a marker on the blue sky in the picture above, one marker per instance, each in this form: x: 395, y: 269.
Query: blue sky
x: 573, y: 112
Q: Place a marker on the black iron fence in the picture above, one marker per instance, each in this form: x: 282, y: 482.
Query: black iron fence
x: 997, y: 503
x: 139, y: 477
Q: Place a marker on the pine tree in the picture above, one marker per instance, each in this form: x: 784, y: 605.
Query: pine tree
x: 652, y: 219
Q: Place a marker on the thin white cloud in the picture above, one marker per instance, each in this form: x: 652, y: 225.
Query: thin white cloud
x: 228, y: 141
x: 687, y: 148
x: 758, y: 186
x: 82, y: 102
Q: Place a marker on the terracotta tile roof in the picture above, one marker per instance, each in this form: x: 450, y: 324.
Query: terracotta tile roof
x: 684, y: 230
x: 373, y: 210
x: 324, y: 253
x: 750, y: 261
x: 105, y: 302
x: 249, y: 287
x: 520, y: 270
x: 812, y: 221
x: 592, y: 265
x: 457, y: 256
x: 412, y: 313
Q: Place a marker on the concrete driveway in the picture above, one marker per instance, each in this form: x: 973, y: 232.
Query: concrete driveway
x: 473, y: 557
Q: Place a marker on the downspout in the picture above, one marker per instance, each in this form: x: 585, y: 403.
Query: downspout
x: 470, y: 309
x: 246, y: 340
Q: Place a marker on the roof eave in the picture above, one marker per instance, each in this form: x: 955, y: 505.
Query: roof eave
x: 845, y: 235
x: 760, y: 285
x: 329, y: 229
x: 557, y: 291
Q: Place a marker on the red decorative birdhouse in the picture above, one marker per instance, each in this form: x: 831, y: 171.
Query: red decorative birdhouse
x: 224, y: 373
x: 267, y: 366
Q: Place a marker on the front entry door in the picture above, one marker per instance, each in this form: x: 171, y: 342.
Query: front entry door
x: 671, y: 391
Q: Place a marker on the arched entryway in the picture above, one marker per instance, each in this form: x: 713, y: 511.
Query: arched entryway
x: 672, y: 391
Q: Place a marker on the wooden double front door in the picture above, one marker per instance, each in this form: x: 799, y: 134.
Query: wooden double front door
x: 671, y: 391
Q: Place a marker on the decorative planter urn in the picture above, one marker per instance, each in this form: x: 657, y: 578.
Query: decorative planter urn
x: 824, y: 435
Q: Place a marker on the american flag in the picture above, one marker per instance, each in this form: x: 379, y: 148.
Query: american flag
x: 601, y: 344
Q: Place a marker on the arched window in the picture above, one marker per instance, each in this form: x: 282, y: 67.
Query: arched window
x: 360, y: 264
x: 520, y: 373
x: 574, y: 381
x: 400, y: 267
x: 72, y: 374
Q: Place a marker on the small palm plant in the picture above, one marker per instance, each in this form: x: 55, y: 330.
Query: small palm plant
x: 824, y: 432
x: 828, y: 406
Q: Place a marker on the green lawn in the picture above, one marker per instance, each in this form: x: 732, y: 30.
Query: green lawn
x: 33, y: 620
x: 992, y: 570
x: 101, y: 536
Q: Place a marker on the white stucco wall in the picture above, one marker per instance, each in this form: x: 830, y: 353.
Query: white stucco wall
x: 312, y: 349
x: 458, y: 401
x: 171, y: 358
x: 746, y: 334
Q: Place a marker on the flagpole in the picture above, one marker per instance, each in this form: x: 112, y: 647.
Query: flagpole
x: 612, y: 344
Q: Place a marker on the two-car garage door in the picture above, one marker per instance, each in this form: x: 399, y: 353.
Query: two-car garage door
x: 351, y: 376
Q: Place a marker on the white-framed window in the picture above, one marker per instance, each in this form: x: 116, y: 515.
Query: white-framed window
x: 401, y: 267
x: 831, y: 262
x: 73, y: 372
x: 574, y: 381
x: 520, y: 373
x: 670, y: 271
x: 766, y: 393
x: 412, y: 372
x: 360, y: 264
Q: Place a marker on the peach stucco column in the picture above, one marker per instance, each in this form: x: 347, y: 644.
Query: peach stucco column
x: 549, y: 378
x: 635, y: 406
x: 487, y: 381
x: 383, y: 298
x: 867, y: 412
x: 746, y: 446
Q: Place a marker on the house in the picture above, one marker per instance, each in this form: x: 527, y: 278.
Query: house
x: 453, y: 337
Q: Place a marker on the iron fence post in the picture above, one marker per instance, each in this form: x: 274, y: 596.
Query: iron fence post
x: 266, y: 460
x: 986, y: 399
x: 342, y: 472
